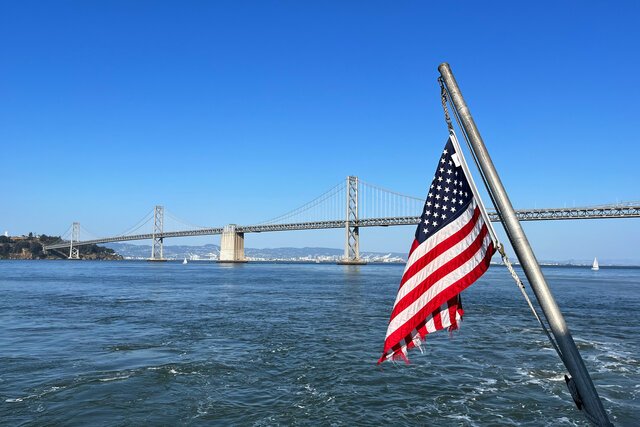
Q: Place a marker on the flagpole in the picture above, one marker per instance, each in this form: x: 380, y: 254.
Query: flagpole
x: 572, y: 359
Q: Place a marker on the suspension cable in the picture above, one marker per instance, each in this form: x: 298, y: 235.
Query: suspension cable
x: 137, y: 225
x: 65, y: 233
x: 389, y: 191
x: 88, y: 233
x: 321, y: 198
x: 132, y: 230
x: 182, y: 221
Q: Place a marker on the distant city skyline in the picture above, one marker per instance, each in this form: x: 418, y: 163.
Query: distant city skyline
x: 238, y: 112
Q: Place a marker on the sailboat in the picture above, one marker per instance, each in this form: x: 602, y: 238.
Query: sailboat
x: 595, y: 265
x: 185, y: 261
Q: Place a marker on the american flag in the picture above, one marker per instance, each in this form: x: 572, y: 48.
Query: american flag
x: 452, y: 249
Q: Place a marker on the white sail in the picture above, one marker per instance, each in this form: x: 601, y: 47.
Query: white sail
x: 185, y: 261
x: 595, y: 265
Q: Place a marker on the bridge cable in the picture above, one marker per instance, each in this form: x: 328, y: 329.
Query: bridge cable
x: 88, y: 233
x: 67, y: 231
x: 305, y: 207
x: 137, y: 225
x: 60, y: 237
x: 389, y: 196
x: 390, y: 191
x: 182, y: 221
x: 132, y: 230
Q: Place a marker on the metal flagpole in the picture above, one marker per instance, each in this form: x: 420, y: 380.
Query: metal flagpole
x: 572, y: 359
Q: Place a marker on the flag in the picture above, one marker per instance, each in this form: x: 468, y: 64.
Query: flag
x: 452, y: 248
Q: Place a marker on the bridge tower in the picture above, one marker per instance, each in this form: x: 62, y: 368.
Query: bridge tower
x: 231, y: 245
x: 352, y: 240
x: 74, y: 253
x: 158, y: 228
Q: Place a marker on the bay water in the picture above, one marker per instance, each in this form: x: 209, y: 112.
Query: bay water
x: 131, y: 343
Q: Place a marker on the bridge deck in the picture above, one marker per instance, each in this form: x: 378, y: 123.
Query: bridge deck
x: 595, y: 212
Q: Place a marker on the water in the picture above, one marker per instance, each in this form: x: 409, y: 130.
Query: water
x: 111, y: 343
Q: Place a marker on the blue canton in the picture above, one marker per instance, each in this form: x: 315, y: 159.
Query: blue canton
x: 449, y: 196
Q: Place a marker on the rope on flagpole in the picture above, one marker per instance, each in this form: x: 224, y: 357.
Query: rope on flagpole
x: 505, y: 259
x: 443, y: 97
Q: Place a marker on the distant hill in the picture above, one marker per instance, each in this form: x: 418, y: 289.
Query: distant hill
x: 211, y: 251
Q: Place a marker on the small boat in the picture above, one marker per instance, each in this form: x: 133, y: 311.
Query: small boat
x: 185, y: 261
x: 595, y: 265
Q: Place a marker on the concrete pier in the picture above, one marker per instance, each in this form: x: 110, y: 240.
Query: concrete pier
x: 231, y: 245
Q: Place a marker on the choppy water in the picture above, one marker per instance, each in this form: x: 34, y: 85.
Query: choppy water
x: 111, y: 343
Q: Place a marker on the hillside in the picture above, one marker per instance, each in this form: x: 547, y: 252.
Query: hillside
x: 31, y: 247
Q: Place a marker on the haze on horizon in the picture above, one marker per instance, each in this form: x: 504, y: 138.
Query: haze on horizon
x: 237, y: 112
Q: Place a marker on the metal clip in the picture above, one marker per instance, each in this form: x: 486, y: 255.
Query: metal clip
x: 571, y: 385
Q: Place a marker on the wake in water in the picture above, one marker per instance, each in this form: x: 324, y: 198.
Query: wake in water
x: 269, y: 344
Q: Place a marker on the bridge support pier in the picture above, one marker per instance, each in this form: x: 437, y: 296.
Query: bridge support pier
x: 231, y: 245
x: 157, y: 239
x: 352, y: 239
x: 74, y: 253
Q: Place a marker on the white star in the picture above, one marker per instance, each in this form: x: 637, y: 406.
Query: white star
x: 460, y: 202
x: 442, y: 160
x: 428, y: 203
x: 434, y: 223
x: 455, y: 182
x: 449, y: 171
x: 456, y: 173
x: 439, y: 179
x: 430, y: 195
x: 445, y: 151
x: 453, y: 200
x: 438, y: 196
x: 443, y: 216
x: 466, y: 194
x: 453, y: 209
x: 436, y: 206
x: 446, y: 189
x: 438, y: 188
x: 441, y: 170
x: 446, y: 198
x: 425, y: 230
x: 448, y: 180
x: 450, y: 163
x: 427, y: 213
x: 431, y: 186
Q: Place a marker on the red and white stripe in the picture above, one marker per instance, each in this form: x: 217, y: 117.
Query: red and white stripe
x: 436, y: 272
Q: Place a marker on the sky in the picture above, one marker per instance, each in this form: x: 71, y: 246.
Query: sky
x: 238, y: 111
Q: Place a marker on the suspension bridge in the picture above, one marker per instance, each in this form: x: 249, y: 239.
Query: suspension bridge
x: 350, y: 204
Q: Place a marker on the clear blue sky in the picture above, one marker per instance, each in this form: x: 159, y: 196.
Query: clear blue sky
x: 235, y: 112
